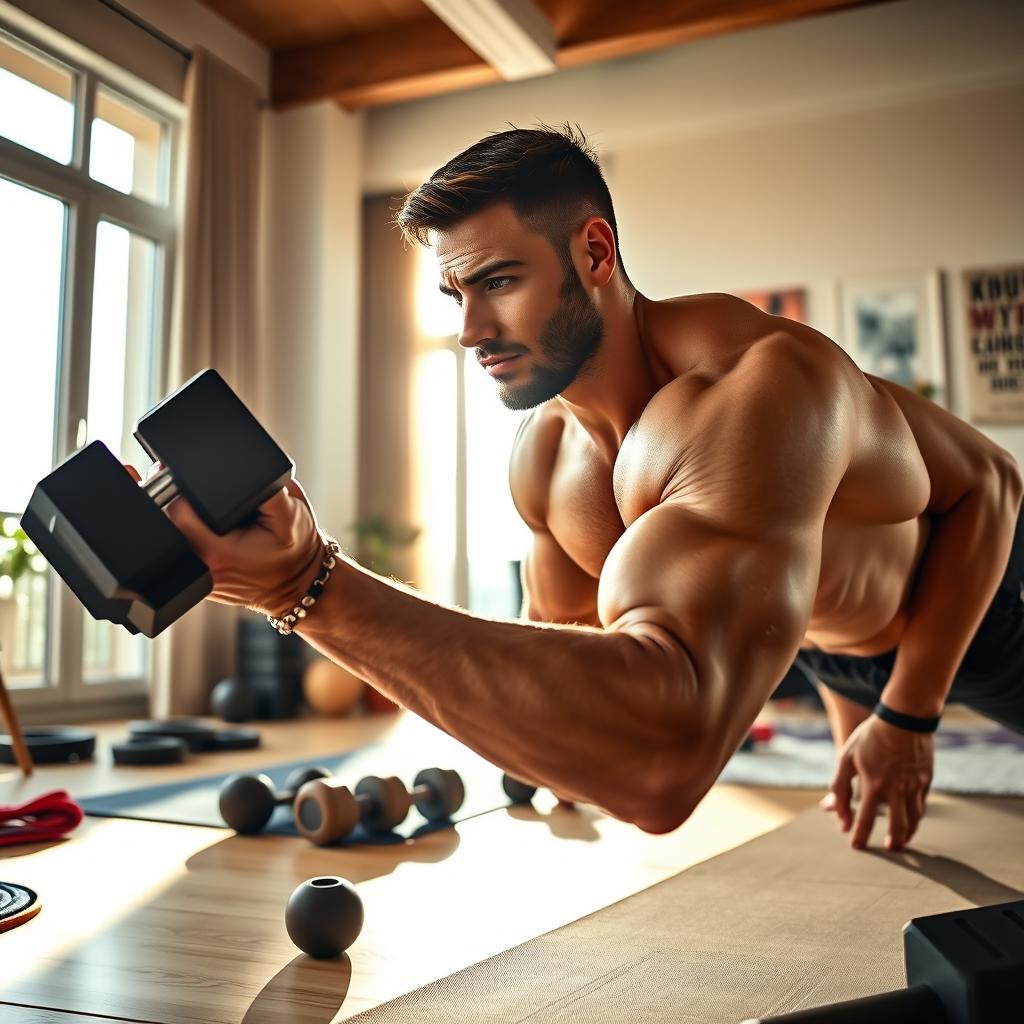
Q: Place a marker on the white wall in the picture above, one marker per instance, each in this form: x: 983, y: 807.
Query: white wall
x: 846, y: 61
x: 310, y: 283
x: 870, y: 141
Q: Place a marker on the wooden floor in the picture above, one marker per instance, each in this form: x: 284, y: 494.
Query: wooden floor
x: 153, y: 922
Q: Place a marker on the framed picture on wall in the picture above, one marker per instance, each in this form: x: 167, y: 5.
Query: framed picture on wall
x: 893, y: 326
x: 788, y: 302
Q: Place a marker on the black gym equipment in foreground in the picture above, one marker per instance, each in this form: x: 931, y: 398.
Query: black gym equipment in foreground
x: 108, y: 537
x: 965, y: 967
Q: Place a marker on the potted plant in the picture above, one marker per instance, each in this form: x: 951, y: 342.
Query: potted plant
x: 18, y: 557
x: 378, y: 542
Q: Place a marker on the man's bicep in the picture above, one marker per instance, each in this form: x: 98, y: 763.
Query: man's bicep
x: 737, y: 605
x: 556, y: 588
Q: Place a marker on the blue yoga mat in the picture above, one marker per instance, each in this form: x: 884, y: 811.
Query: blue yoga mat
x: 194, y: 801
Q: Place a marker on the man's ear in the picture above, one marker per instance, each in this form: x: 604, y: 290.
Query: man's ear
x: 598, y: 257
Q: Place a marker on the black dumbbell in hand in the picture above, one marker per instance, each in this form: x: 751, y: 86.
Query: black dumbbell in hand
x: 247, y: 801
x: 963, y: 967
x: 108, y: 537
x: 326, y: 810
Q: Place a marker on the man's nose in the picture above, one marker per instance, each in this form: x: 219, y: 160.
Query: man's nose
x: 477, y: 326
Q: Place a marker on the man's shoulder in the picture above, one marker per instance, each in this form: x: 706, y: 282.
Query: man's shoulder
x: 780, y: 396
x: 715, y: 317
x: 779, y: 361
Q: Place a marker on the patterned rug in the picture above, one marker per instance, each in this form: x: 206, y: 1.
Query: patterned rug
x: 969, y: 758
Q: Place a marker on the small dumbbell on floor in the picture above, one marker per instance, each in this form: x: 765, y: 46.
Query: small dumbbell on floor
x: 326, y: 810
x: 522, y: 792
x: 518, y: 792
x: 248, y: 801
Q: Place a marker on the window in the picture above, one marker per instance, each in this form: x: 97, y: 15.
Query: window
x: 473, y: 536
x: 86, y: 257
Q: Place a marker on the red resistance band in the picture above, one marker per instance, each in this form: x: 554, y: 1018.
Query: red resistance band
x: 46, y: 817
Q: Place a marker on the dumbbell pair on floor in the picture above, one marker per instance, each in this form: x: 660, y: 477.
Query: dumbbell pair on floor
x: 325, y: 810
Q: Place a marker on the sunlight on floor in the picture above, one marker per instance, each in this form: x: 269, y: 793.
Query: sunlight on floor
x: 106, y: 871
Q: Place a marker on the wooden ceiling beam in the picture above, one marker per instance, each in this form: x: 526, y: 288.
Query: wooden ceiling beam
x: 384, y: 66
x: 612, y: 29
x: 425, y: 58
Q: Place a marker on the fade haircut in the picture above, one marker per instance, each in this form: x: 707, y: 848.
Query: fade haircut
x: 550, y: 176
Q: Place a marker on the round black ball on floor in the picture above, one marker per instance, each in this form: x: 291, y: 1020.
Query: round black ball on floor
x: 324, y: 916
x: 233, y: 700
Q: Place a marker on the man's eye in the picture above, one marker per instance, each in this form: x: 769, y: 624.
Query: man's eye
x: 495, y: 283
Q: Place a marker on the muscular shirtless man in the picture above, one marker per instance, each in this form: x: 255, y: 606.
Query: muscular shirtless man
x: 712, y: 491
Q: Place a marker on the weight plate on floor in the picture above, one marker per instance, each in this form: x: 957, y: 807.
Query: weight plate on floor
x: 51, y: 745
x: 197, y: 735
x: 149, y: 750
x: 236, y: 739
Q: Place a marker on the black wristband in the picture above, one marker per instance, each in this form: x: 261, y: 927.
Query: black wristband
x: 902, y: 721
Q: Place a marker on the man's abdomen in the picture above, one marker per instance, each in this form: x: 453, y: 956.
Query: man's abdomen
x: 867, y: 577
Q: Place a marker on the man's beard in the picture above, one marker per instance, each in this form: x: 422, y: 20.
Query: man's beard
x: 568, y: 342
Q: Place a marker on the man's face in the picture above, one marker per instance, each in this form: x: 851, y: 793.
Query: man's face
x: 533, y: 326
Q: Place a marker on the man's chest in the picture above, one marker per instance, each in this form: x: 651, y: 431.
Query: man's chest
x: 584, y: 514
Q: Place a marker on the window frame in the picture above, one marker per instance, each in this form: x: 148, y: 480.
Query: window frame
x: 88, y: 202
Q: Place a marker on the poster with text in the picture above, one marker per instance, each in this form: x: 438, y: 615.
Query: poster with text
x: 994, y: 308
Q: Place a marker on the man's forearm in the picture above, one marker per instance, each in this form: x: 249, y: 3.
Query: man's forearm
x: 961, y: 568
x: 601, y: 716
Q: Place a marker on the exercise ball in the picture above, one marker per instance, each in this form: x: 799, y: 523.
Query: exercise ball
x: 331, y: 689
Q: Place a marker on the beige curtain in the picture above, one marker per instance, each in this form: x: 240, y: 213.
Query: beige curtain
x: 216, y: 326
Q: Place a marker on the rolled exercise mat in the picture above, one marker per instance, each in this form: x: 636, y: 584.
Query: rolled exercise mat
x: 18, y: 904
x: 48, y: 816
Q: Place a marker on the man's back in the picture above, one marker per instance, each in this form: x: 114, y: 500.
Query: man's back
x: 902, y: 450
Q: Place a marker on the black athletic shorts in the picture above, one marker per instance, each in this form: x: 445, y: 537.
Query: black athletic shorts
x: 990, y: 678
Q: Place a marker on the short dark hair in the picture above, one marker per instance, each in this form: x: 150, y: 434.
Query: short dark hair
x: 550, y: 176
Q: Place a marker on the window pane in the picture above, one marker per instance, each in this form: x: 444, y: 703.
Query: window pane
x: 434, y: 453
x: 24, y: 607
x: 31, y: 272
x: 36, y: 101
x: 126, y: 147
x: 120, y: 375
x: 495, y: 535
x: 31, y: 282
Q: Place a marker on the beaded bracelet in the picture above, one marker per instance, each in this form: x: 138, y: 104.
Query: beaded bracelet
x: 287, y: 622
